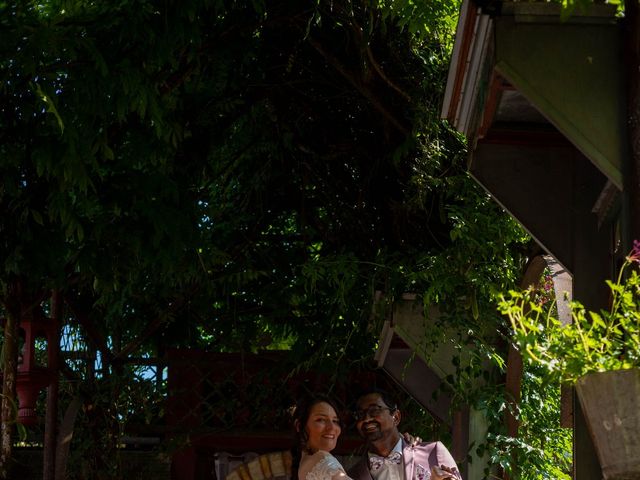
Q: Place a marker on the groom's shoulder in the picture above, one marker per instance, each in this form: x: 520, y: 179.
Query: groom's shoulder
x: 425, y: 448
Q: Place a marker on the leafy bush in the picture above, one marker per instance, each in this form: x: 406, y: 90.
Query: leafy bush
x: 594, y: 341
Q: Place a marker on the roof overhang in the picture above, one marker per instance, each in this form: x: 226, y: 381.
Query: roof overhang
x: 526, y: 69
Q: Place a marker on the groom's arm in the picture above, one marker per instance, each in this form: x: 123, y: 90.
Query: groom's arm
x: 446, y: 461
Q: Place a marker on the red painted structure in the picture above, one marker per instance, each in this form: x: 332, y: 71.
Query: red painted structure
x: 33, y: 377
x: 255, y: 395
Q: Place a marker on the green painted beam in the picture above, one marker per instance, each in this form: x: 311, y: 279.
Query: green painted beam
x: 435, y: 346
x: 572, y: 73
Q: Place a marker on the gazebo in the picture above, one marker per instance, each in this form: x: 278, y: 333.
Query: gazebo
x: 541, y: 101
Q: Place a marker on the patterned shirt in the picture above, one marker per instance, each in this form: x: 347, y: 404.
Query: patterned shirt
x: 390, y: 471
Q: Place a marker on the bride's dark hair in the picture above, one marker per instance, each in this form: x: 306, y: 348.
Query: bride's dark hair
x: 299, y: 415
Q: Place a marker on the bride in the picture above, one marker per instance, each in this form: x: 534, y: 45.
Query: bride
x: 317, y: 428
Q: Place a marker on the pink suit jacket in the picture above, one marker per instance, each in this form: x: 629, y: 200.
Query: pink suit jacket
x: 418, y: 461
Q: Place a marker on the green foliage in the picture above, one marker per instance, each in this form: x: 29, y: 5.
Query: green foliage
x: 425, y: 22
x: 463, y: 281
x: 542, y: 449
x: 220, y: 143
x: 85, y: 161
x: 555, y: 353
x: 240, y: 176
x: 592, y: 342
x: 112, y: 406
x: 571, y: 7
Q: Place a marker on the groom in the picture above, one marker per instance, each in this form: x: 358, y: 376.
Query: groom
x: 389, y: 457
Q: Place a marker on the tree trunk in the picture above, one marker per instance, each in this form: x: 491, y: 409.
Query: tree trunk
x: 63, y: 444
x: 51, y: 417
x: 9, y: 404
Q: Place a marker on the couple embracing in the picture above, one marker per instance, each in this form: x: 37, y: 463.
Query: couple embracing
x: 390, y: 455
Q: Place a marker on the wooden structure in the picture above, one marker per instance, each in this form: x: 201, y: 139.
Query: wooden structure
x: 419, y: 364
x: 541, y: 101
x: 213, y: 400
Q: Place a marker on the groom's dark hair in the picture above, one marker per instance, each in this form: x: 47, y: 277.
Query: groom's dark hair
x: 386, y: 397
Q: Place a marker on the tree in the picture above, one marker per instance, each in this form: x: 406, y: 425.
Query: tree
x: 236, y: 176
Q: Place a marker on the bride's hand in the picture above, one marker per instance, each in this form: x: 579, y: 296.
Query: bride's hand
x: 410, y: 439
x: 443, y: 473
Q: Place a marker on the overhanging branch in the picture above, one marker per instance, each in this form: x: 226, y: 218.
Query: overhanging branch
x: 364, y: 91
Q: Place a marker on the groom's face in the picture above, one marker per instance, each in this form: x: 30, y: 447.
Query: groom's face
x: 376, y: 421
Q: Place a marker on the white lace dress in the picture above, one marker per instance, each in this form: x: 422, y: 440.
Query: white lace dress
x: 321, y: 466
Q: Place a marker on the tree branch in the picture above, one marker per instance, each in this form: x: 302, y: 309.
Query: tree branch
x: 357, y: 29
x: 151, y: 328
x: 360, y: 87
x: 93, y: 334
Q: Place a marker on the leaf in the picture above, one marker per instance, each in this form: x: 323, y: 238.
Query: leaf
x: 597, y: 319
x: 49, y: 105
x: 475, y: 312
x: 37, y: 217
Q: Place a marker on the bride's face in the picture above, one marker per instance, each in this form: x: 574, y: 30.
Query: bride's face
x: 323, y: 427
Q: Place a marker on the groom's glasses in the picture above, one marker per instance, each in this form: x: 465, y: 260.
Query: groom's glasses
x: 373, y: 411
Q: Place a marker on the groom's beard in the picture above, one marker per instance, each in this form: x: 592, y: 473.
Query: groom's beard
x: 371, y: 431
